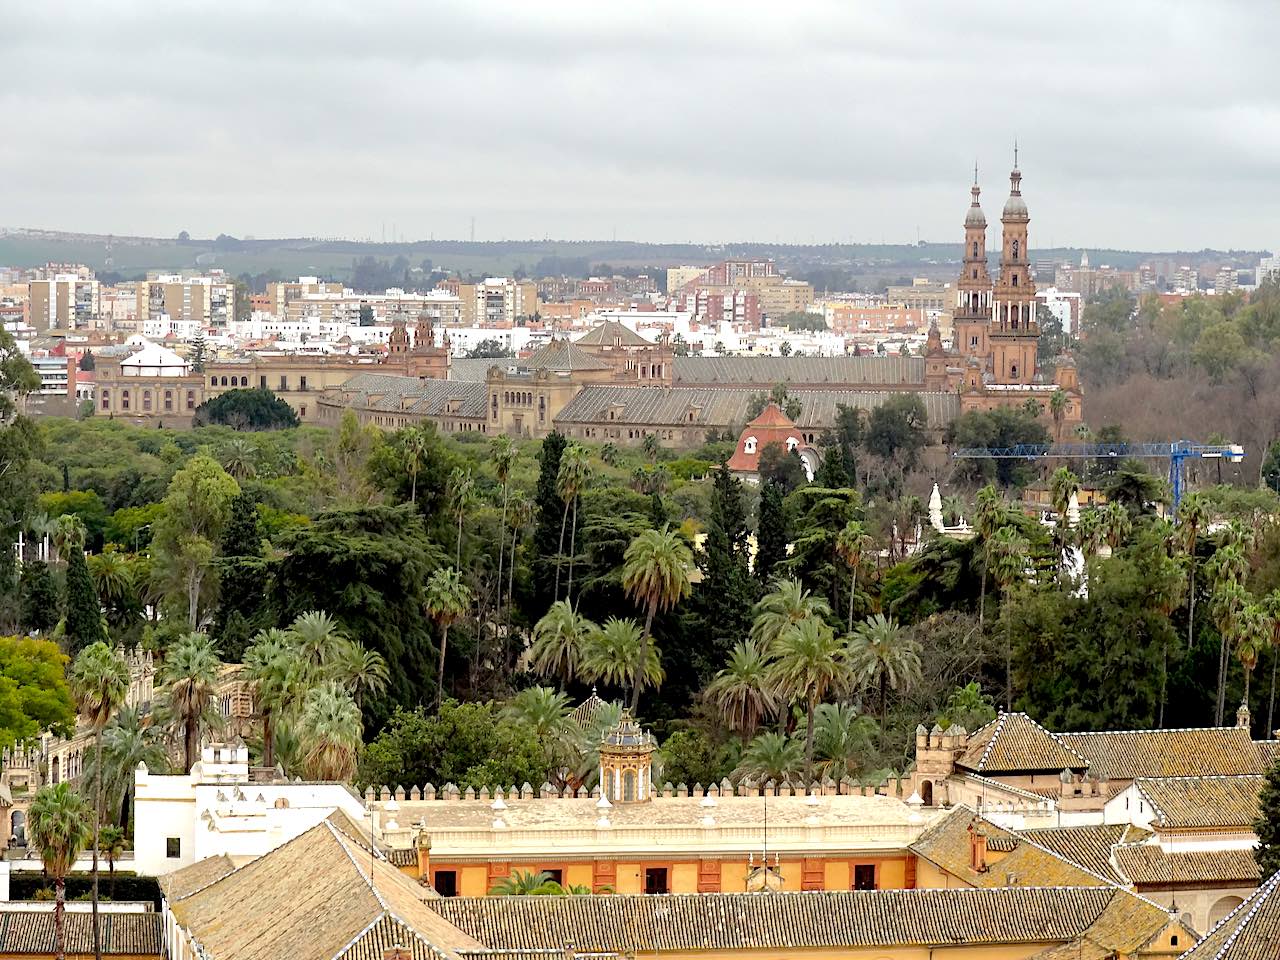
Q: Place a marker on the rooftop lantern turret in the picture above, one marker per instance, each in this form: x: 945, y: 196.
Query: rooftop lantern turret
x: 626, y: 762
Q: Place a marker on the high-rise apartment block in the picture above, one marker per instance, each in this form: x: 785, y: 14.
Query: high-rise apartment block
x: 282, y: 293
x: 495, y: 302
x: 208, y: 300
x: 64, y: 301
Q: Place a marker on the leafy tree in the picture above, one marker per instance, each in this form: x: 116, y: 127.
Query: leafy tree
x: 1001, y: 427
x: 38, y: 597
x: 447, y: 599
x: 81, y: 609
x: 781, y: 466
x: 1007, y: 551
x: 833, y: 471
x: 1267, y: 825
x: 771, y: 532
x: 189, y: 675
x: 489, y: 349
x: 198, y: 353
x: 100, y: 682
x: 111, y: 844
x: 722, y: 600
x: 969, y: 707
x: 58, y: 825
x: 690, y: 757
x: 34, y: 696
x: 241, y: 571
x: 548, y: 510
x: 256, y: 408
x: 897, y: 428
x: 656, y: 575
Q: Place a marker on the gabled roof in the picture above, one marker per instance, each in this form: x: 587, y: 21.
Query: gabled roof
x: 1014, y: 743
x: 585, y: 712
x: 1251, y: 931
x: 561, y: 356
x: 1149, y: 864
x: 822, y: 372
x: 182, y: 883
x: 790, y: 921
x: 606, y: 332
x: 1128, y: 754
x: 1184, y: 802
x: 1089, y: 846
x: 321, y: 896
x: 31, y: 932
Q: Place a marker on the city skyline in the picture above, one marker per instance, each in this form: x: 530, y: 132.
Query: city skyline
x: 662, y: 124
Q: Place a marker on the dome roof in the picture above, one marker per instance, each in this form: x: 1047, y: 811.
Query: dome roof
x: 975, y: 217
x: 1015, y: 206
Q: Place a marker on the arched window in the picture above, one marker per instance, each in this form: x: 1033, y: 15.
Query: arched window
x: 975, y: 248
x: 213, y: 381
x: 224, y: 381
x: 629, y: 787
x: 146, y: 399
x: 1015, y: 249
x: 1013, y: 371
x: 792, y: 443
x: 926, y: 793
x: 106, y: 399
x: 124, y: 399
x: 1015, y: 279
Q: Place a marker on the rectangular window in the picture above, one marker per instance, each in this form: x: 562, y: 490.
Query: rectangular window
x: 445, y: 882
x: 262, y: 381
x: 864, y: 876
x: 302, y: 383
x: 555, y: 875
x: 173, y: 848
x: 655, y: 880
x: 284, y: 382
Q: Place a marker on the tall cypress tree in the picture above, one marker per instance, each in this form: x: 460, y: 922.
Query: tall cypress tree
x: 834, y: 472
x: 81, y: 608
x: 549, y: 510
x: 241, y: 568
x: 726, y: 593
x: 38, y: 598
x: 771, y: 532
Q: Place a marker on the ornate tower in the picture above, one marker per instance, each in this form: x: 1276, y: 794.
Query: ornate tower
x: 626, y: 762
x: 428, y: 362
x: 973, y: 312
x: 1014, y: 330
x: 398, y: 341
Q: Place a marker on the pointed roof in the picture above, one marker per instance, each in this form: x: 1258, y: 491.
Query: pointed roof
x: 975, y: 217
x: 321, y: 896
x: 1014, y: 743
x: 1250, y: 931
x: 605, y: 333
x: 772, y: 416
x: 561, y: 356
x: 585, y: 712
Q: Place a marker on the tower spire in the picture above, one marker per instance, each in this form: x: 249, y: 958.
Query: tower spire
x: 1015, y: 153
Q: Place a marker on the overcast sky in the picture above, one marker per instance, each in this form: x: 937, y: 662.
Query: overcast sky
x: 1148, y: 125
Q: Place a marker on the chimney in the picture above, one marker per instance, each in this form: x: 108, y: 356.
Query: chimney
x: 424, y: 856
x: 397, y: 953
x: 977, y: 848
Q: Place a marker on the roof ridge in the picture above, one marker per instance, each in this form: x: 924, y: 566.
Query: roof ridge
x: 1099, y: 733
x: 1262, y: 894
x: 1207, y: 776
x: 368, y: 878
x: 999, y: 722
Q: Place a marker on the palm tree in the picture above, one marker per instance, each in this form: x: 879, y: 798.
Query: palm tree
x: 522, y: 513
x: 415, y: 452
x: 111, y: 845
x: 190, y: 674
x: 1007, y: 551
x: 883, y: 653
x: 771, y: 756
x: 1089, y: 534
x: 239, y: 458
x: 1193, y: 514
x: 1271, y: 610
x: 655, y: 573
x: 850, y: 544
x: 100, y: 682
x: 317, y: 638
x: 1063, y: 485
x: 785, y: 605
x: 842, y: 741
x: 359, y: 670
x: 1116, y: 524
x: 461, y: 497
x: 58, y: 825
x: 609, y: 454
x: 112, y: 577
x: 575, y: 473
x: 1229, y: 602
x: 330, y: 731
x: 448, y: 598
x: 547, y: 713
x: 811, y: 662
x: 503, y: 454
x: 69, y: 534
x: 989, y: 514
x: 650, y: 446
x: 558, y: 641
x: 618, y: 656
x: 741, y: 692
x: 1058, y: 409
x: 1254, y: 634
x: 128, y: 740
x: 524, y: 884
x: 272, y: 669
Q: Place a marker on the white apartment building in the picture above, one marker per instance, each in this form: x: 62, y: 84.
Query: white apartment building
x: 217, y: 809
x: 1268, y: 269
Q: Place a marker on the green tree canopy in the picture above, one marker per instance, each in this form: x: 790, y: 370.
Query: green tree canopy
x: 253, y: 409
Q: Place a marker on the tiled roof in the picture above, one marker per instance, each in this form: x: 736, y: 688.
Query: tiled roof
x: 727, y: 407
x: 1023, y: 863
x: 31, y: 932
x: 1128, y: 754
x: 604, y: 333
x: 561, y: 356
x: 793, y: 920
x: 1014, y: 743
x: 474, y: 369
x: 1148, y: 863
x: 1250, y: 932
x: 1202, y: 801
x: 1089, y: 846
x: 197, y: 876
x: 317, y: 897
x: 587, y: 710
x: 828, y: 372
x: 384, y: 392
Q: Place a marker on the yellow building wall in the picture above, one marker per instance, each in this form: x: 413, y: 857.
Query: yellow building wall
x: 733, y: 876
x: 473, y: 881
x: 837, y: 875
x: 930, y: 877
x: 579, y: 874
x: 629, y: 879
x: 892, y: 875
x: 684, y: 878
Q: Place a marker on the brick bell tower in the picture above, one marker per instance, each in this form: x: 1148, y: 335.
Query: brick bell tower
x: 973, y: 312
x: 1014, y: 330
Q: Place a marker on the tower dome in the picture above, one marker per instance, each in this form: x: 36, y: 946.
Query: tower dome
x: 1015, y: 208
x: 975, y: 217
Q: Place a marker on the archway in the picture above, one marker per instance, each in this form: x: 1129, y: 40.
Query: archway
x: 18, y: 827
x: 926, y: 793
x: 1222, y: 908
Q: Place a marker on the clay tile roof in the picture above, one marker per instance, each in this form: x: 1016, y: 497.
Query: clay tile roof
x: 946, y: 844
x: 386, y: 392
x: 603, y: 334
x: 789, y: 921
x: 561, y: 356
x: 1203, y: 801
x: 1013, y: 743
x: 31, y: 932
x: 1128, y: 754
x: 585, y: 712
x: 317, y: 897
x: 182, y: 883
x: 822, y: 372
x: 1149, y: 864
x: 1089, y: 846
x: 1251, y: 931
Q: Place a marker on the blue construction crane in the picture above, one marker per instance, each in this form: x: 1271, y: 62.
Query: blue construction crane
x: 1176, y: 452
